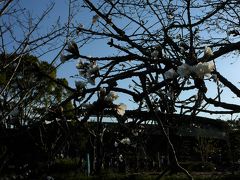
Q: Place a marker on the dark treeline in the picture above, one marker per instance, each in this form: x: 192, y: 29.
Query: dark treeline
x: 124, y: 148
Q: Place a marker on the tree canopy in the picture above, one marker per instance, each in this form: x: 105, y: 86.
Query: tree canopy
x: 168, y: 51
x: 29, y: 90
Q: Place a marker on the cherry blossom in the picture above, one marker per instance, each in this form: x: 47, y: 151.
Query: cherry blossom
x: 208, y: 52
x: 112, y: 96
x: 121, y: 108
x: 126, y: 141
x: 202, y: 69
x: 121, y: 158
x: 88, y: 70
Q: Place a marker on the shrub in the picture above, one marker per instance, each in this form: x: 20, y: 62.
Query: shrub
x: 199, y: 166
x: 65, y: 164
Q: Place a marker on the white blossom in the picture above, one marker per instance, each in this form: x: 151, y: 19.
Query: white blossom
x: 170, y: 74
x: 126, y: 141
x: 115, y: 144
x: 205, y: 68
x: 112, y: 96
x: 121, y: 158
x: 211, y: 66
x: 184, y: 70
x: 47, y: 122
x: 208, y: 51
x: 121, y: 108
x: 49, y: 178
x: 88, y: 70
x: 199, y: 70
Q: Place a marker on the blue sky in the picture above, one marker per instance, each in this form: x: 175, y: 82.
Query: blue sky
x: 229, y: 67
x: 60, y: 10
x: 68, y: 69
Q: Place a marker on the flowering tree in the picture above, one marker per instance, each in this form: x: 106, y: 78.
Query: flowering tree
x: 168, y: 53
x: 173, y: 53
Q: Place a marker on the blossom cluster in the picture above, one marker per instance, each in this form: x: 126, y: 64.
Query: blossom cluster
x: 184, y: 71
x: 110, y: 97
x: 73, y: 52
x: 88, y: 70
x: 126, y: 141
x: 121, y: 108
x: 199, y: 70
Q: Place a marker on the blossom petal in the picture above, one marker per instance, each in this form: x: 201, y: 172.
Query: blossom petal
x: 121, y: 108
